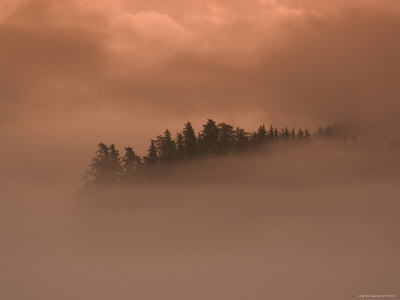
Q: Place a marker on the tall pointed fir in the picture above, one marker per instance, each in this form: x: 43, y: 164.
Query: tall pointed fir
x: 276, y: 133
x: 271, y: 132
x: 130, y: 164
x: 105, y: 167
x: 208, y: 138
x: 189, y: 141
x: 300, y: 133
x: 166, y: 147
x: 285, y: 133
x: 115, y: 163
x: 293, y: 134
x: 151, y: 160
x: 260, y: 136
x: 98, y: 169
x: 180, y: 148
x: 225, y: 138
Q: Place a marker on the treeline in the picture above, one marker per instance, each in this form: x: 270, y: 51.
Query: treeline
x: 108, y: 166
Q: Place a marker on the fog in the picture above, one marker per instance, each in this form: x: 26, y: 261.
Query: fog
x: 316, y: 220
x: 311, y: 221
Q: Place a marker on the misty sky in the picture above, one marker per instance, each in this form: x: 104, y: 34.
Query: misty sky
x: 74, y: 73
x: 314, y: 220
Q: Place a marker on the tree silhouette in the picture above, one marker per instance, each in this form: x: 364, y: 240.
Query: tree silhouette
x: 115, y: 163
x: 300, y: 133
x: 180, y: 148
x: 285, y: 133
x: 166, y: 148
x: 130, y: 164
x: 189, y: 141
x: 208, y: 138
x: 107, y: 166
x: 225, y: 138
x: 276, y: 133
x: 293, y: 134
x: 271, y: 133
x: 240, y: 140
x: 260, y: 136
x: 152, y: 157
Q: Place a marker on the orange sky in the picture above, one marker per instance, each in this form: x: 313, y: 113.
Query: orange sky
x: 316, y: 221
x: 73, y: 73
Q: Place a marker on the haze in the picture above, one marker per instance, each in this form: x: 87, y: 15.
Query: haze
x: 318, y: 221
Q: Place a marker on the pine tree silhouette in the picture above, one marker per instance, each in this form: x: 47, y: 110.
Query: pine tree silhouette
x: 208, y: 138
x: 115, y: 163
x: 300, y: 133
x: 293, y: 134
x: 260, y: 136
x: 271, y: 133
x: 130, y: 164
x: 107, y: 166
x: 225, y: 138
x: 285, y: 133
x: 180, y: 148
x: 276, y: 134
x: 189, y: 141
x: 166, y: 148
x: 240, y: 140
x: 151, y: 160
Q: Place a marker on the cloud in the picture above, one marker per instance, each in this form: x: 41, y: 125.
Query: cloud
x: 124, y: 70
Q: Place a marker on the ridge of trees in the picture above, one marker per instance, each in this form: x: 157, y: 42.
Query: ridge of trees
x: 108, y: 166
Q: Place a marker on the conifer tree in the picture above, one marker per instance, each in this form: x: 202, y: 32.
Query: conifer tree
x: 105, y: 166
x: 115, y: 163
x: 240, y: 139
x: 261, y: 135
x: 225, y: 138
x: 271, y: 134
x: 300, y: 133
x: 130, y: 163
x: 285, y: 133
x: 166, y: 147
x: 98, y: 170
x: 189, y: 141
x: 108, y: 167
x: 208, y: 138
x: 293, y: 133
x: 276, y: 133
x: 180, y: 151
x: 151, y: 159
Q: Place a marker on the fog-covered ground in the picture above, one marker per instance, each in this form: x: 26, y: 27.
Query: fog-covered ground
x: 313, y: 221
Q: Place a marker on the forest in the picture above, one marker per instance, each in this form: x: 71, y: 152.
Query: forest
x: 108, y: 166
